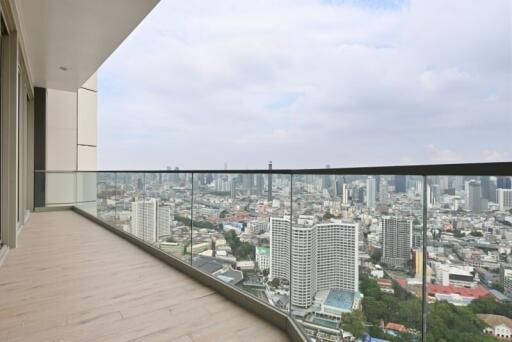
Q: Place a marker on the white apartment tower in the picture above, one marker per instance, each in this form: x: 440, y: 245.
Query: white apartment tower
x: 397, y: 240
x: 324, y: 256
x: 164, y: 215
x: 337, y: 256
x: 304, y: 266
x: 150, y: 220
x: 280, y: 248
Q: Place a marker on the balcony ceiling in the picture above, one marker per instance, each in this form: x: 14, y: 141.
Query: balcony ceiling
x: 75, y: 34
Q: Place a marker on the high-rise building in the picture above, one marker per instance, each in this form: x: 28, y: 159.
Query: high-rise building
x: 259, y: 185
x: 344, y: 194
x: 504, y: 182
x: 397, y: 240
x: 458, y: 182
x: 248, y: 182
x: 337, y: 246
x: 400, y: 183
x: 383, y: 192
x: 371, y: 192
x: 504, y: 197
x: 150, y: 220
x: 164, y: 217
x: 304, y: 263
x: 444, y: 183
x: 325, y: 256
x: 326, y: 179
x: 279, y: 248
x: 506, y: 278
x: 232, y: 189
x: 488, y: 188
x: 473, y: 196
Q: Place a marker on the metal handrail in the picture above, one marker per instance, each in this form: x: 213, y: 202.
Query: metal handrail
x: 463, y: 169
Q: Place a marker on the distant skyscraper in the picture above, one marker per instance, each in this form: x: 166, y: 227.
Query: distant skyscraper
x: 397, y: 240
x: 444, y: 183
x: 259, y: 185
x: 504, y: 197
x: 473, y: 196
x: 371, y: 192
x: 344, y: 194
x: 327, y: 179
x: 248, y: 182
x: 487, y: 188
x: 504, y: 182
x: 269, y: 191
x: 232, y: 189
x: 377, y: 183
x: 383, y: 192
x: 400, y: 183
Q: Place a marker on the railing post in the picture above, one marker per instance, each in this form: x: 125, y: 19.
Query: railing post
x: 143, y: 207
x: 115, y: 200
x: 424, y: 260
x: 291, y: 237
x: 191, y: 218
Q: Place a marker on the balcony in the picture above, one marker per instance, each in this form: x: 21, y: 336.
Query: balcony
x: 72, y: 280
x: 328, y: 254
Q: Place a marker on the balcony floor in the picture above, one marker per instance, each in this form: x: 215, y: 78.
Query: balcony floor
x: 71, y: 280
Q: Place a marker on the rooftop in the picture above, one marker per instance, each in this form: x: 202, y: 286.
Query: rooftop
x: 475, y: 292
x: 263, y: 250
x: 341, y: 299
x: 495, y: 320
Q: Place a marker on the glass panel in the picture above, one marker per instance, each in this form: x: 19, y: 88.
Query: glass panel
x: 130, y: 192
x: 356, y: 246
x: 106, y: 197
x: 60, y: 188
x: 231, y: 235
x: 469, y: 269
x: 39, y: 189
x: 87, y: 192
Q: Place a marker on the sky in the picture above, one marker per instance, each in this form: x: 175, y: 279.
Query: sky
x: 306, y: 83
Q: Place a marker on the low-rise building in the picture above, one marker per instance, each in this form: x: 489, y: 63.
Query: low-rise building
x: 263, y: 257
x: 499, y: 326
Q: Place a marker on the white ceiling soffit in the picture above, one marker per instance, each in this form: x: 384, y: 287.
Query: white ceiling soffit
x: 76, y: 35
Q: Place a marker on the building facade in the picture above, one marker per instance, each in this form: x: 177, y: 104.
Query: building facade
x: 397, y: 240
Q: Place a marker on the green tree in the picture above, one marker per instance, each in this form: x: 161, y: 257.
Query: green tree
x: 376, y: 256
x: 274, y: 282
x: 487, y: 305
x: 328, y: 216
x: 354, y: 323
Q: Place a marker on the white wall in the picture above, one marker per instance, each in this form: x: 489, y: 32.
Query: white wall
x: 71, y: 120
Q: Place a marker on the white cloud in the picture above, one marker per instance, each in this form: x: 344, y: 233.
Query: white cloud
x: 308, y: 83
